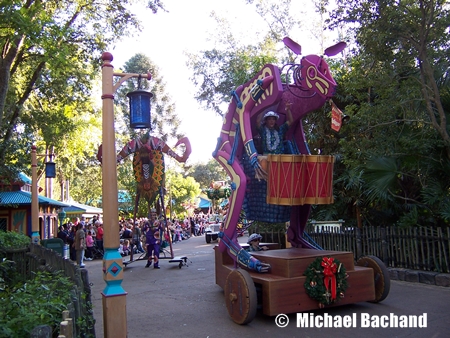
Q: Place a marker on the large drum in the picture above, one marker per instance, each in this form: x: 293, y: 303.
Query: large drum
x: 300, y: 179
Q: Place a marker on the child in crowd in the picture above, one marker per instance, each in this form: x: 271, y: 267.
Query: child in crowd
x: 89, y: 246
x: 121, y: 248
x: 177, y: 234
x: 126, y: 247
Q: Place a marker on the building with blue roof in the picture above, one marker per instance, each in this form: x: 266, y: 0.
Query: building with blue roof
x: 15, y: 209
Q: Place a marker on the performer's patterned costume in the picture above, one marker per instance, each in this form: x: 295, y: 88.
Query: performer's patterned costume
x: 148, y: 164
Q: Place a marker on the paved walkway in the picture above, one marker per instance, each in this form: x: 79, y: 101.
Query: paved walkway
x: 186, y: 302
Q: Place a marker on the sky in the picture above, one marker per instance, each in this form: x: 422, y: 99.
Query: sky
x: 187, y: 27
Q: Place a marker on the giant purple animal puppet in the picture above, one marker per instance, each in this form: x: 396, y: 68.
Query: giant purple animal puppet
x: 308, y: 87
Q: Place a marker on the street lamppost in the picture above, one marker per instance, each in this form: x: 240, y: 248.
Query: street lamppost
x: 50, y: 172
x: 114, y: 296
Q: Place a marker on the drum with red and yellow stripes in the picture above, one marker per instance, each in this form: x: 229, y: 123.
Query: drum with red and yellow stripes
x: 300, y: 179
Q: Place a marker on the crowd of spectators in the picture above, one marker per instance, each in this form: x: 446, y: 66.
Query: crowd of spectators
x: 93, y: 238
x: 132, y: 234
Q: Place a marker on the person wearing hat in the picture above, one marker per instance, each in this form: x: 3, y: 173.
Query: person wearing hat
x: 272, y: 135
x: 253, y: 242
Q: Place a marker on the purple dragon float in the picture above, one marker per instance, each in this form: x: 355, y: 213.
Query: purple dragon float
x: 306, y: 87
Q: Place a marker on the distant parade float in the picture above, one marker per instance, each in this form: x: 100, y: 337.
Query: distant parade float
x: 275, y: 178
x: 217, y: 191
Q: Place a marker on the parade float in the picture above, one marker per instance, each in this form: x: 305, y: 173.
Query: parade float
x: 276, y: 188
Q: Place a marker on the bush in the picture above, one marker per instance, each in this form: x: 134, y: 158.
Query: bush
x: 13, y: 240
x: 10, y: 242
x: 39, y: 301
x: 26, y: 303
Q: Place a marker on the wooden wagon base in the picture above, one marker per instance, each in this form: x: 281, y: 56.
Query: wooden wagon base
x: 282, y: 289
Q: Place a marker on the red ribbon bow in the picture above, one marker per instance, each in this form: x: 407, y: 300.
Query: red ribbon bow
x: 329, y: 271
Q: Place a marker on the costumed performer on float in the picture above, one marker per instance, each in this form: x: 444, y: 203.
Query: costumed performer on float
x: 272, y: 135
x: 253, y: 242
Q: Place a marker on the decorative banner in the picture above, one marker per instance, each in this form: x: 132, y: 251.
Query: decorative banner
x: 336, y: 117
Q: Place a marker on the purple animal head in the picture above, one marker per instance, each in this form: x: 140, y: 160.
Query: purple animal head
x: 310, y: 85
x: 313, y: 73
x: 316, y: 76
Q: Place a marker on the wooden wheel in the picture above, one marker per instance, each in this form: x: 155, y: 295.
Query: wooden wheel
x: 240, y: 296
x: 381, y: 276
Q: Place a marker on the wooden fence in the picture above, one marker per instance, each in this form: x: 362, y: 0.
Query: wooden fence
x: 39, y: 258
x: 419, y: 248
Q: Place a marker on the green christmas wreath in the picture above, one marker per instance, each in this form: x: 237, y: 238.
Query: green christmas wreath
x: 326, y: 280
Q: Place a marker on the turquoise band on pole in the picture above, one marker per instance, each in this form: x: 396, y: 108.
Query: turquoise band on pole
x: 113, y: 288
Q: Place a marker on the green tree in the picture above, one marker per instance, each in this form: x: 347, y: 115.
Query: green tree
x: 181, y: 191
x: 406, y: 41
x: 396, y: 144
x: 165, y: 121
x: 220, y: 70
x: 87, y: 187
x: 51, y: 50
x: 204, y: 174
x: 278, y: 18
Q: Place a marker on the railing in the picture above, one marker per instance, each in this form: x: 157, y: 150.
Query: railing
x: 38, y: 258
x: 418, y: 248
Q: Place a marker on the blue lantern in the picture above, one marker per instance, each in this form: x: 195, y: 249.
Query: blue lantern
x: 140, y: 107
x: 50, y: 168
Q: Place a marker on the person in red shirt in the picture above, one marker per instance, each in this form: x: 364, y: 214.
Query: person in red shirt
x: 99, y: 235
